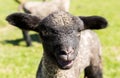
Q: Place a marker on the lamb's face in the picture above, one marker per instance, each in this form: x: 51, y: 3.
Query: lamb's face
x: 61, y: 43
x: 60, y: 34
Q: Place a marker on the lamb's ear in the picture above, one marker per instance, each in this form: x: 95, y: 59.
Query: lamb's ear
x: 94, y: 22
x: 24, y: 21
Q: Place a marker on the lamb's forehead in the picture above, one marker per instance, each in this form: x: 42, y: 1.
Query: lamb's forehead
x: 61, y: 18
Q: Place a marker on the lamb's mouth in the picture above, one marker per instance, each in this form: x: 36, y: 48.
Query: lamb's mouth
x: 65, y: 64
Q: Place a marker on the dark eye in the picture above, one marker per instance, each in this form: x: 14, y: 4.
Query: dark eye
x: 45, y: 33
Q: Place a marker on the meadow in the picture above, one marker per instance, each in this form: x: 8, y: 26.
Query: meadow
x: 19, y: 61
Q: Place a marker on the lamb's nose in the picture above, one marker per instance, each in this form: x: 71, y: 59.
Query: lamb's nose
x: 65, y: 54
x: 67, y: 51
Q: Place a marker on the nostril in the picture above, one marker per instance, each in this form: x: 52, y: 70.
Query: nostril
x: 63, y: 53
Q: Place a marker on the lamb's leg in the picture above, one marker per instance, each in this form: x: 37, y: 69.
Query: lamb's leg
x: 27, y: 37
x: 95, y: 69
x: 39, y: 71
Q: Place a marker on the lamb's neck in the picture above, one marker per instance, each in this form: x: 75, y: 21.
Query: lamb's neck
x: 51, y: 70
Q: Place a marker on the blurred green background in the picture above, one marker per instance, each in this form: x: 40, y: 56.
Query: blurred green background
x: 19, y: 61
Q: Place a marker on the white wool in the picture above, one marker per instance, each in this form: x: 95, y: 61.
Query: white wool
x: 43, y: 9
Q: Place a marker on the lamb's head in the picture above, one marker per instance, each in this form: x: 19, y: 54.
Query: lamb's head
x: 60, y: 33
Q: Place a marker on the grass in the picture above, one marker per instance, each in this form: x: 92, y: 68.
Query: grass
x: 19, y: 61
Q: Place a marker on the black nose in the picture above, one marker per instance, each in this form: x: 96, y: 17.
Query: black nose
x: 66, y: 51
x: 65, y: 54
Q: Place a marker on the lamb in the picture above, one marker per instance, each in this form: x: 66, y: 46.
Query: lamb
x: 42, y: 9
x: 70, y: 46
x: 36, y: 7
x: 22, y: 2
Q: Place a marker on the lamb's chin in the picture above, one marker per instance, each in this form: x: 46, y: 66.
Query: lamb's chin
x: 65, y: 64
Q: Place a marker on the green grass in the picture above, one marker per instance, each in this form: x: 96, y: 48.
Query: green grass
x: 19, y: 61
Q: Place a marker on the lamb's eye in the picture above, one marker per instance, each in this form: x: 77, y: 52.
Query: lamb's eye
x: 45, y: 33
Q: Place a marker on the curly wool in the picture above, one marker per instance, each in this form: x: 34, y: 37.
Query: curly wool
x: 61, y: 18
